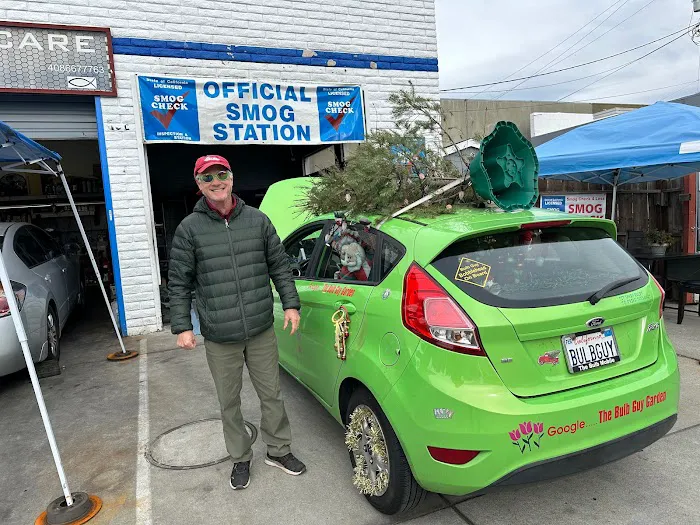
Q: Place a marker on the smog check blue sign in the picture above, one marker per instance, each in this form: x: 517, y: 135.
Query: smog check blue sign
x: 169, y: 108
x: 210, y: 111
x: 550, y: 202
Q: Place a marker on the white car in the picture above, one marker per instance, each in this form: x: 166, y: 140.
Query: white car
x: 48, y: 286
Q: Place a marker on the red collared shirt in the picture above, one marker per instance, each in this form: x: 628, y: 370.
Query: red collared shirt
x: 228, y: 215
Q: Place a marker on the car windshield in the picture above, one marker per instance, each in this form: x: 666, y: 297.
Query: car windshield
x: 540, y: 267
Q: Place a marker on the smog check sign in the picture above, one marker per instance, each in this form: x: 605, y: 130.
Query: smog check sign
x: 45, y: 58
x: 590, y: 205
x: 231, y: 111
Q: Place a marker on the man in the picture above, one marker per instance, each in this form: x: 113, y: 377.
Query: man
x: 227, y: 252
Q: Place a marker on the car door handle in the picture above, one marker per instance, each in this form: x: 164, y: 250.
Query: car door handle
x: 47, y: 278
x: 348, y: 306
x: 64, y: 270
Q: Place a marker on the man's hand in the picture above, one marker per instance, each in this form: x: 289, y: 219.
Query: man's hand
x: 291, y: 316
x: 186, y: 340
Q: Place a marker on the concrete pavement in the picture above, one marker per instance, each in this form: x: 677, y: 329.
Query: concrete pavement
x: 105, y: 414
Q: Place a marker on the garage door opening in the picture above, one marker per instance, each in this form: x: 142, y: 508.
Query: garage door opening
x: 40, y: 199
x: 255, y: 168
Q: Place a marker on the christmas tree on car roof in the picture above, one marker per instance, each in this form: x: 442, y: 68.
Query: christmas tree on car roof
x: 400, y: 171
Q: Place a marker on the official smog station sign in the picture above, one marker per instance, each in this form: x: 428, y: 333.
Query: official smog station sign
x: 592, y: 205
x: 213, y: 111
x: 44, y: 58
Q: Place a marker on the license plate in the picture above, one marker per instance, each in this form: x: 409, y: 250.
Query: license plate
x: 589, y: 350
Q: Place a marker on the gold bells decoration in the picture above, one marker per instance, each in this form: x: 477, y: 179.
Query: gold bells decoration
x: 341, y: 320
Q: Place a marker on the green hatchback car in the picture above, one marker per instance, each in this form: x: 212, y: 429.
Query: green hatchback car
x: 475, y: 349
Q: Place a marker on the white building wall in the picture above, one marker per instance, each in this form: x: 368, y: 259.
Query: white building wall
x: 403, y: 28
x: 543, y: 123
x: 386, y: 27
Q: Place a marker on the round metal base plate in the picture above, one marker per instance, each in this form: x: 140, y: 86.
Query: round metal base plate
x: 84, y: 508
x: 121, y: 356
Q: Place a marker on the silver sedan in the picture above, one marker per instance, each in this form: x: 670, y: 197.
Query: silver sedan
x: 46, y: 282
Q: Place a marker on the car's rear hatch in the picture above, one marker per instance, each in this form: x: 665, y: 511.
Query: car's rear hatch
x: 528, y: 292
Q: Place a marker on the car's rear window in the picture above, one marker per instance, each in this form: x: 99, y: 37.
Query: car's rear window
x: 540, y: 267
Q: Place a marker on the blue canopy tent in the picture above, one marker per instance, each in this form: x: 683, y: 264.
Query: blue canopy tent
x: 657, y: 142
x: 20, y: 154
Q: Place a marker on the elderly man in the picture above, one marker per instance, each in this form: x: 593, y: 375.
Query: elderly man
x: 227, y: 253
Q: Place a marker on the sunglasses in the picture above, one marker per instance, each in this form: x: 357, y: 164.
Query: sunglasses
x: 209, y: 177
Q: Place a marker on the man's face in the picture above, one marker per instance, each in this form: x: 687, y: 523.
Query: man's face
x: 217, y: 190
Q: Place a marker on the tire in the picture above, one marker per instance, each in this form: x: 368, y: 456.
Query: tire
x: 51, y: 365
x: 403, y: 492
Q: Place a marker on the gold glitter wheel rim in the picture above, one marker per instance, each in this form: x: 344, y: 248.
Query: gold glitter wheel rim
x: 367, y: 443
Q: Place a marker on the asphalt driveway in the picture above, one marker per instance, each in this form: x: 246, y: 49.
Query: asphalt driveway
x: 144, y: 436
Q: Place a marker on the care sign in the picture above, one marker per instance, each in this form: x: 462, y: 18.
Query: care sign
x: 592, y: 205
x: 208, y: 111
x: 44, y: 58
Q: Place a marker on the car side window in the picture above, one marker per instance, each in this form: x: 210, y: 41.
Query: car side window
x: 49, y: 245
x: 348, y: 254
x: 300, y: 248
x: 392, y: 252
x: 28, y: 249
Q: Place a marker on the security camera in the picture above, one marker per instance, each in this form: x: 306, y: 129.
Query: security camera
x: 696, y: 5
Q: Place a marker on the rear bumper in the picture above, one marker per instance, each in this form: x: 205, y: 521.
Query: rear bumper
x: 560, y: 428
x: 11, y: 357
x: 589, y: 458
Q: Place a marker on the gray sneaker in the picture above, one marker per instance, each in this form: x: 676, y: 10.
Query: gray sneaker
x: 240, y: 475
x: 288, y: 463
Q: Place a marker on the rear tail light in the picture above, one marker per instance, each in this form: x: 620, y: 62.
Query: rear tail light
x: 663, y: 296
x: 430, y: 313
x: 20, y: 294
x: 452, y: 456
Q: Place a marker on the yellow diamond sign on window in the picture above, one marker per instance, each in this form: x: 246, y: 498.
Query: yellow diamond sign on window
x: 473, y: 272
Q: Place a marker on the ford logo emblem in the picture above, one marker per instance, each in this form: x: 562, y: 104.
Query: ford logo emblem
x: 595, y: 322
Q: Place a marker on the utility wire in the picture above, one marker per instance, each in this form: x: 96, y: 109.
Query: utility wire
x: 553, y: 48
x: 463, y: 88
x: 623, y: 67
x: 586, y: 35
x: 539, y: 86
x: 608, y: 31
x: 544, y: 68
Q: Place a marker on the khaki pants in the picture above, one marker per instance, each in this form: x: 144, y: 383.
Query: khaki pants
x: 261, y: 356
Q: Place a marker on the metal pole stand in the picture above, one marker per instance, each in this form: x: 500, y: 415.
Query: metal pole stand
x: 84, y: 508
x: 116, y: 356
x: 72, y: 508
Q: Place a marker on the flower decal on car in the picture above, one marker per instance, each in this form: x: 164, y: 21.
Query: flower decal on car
x: 526, y: 428
x: 526, y: 435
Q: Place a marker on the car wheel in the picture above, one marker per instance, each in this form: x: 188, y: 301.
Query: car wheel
x: 50, y: 366
x: 381, y: 470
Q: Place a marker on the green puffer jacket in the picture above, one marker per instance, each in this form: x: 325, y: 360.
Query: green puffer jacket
x: 229, y: 265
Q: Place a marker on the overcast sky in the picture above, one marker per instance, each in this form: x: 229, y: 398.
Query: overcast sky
x: 482, y: 41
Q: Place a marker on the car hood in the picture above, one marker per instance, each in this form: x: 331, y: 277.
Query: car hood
x: 282, y: 204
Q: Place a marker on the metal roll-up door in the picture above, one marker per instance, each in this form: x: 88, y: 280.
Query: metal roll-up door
x: 50, y: 117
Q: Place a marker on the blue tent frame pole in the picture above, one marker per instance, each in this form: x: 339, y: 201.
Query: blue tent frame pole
x: 616, y: 179
x: 62, y: 176
x: 22, y: 336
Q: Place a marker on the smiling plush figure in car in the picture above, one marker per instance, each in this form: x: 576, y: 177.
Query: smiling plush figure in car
x: 355, y: 266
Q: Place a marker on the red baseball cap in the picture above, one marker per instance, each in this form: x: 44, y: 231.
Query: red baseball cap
x: 207, y: 161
